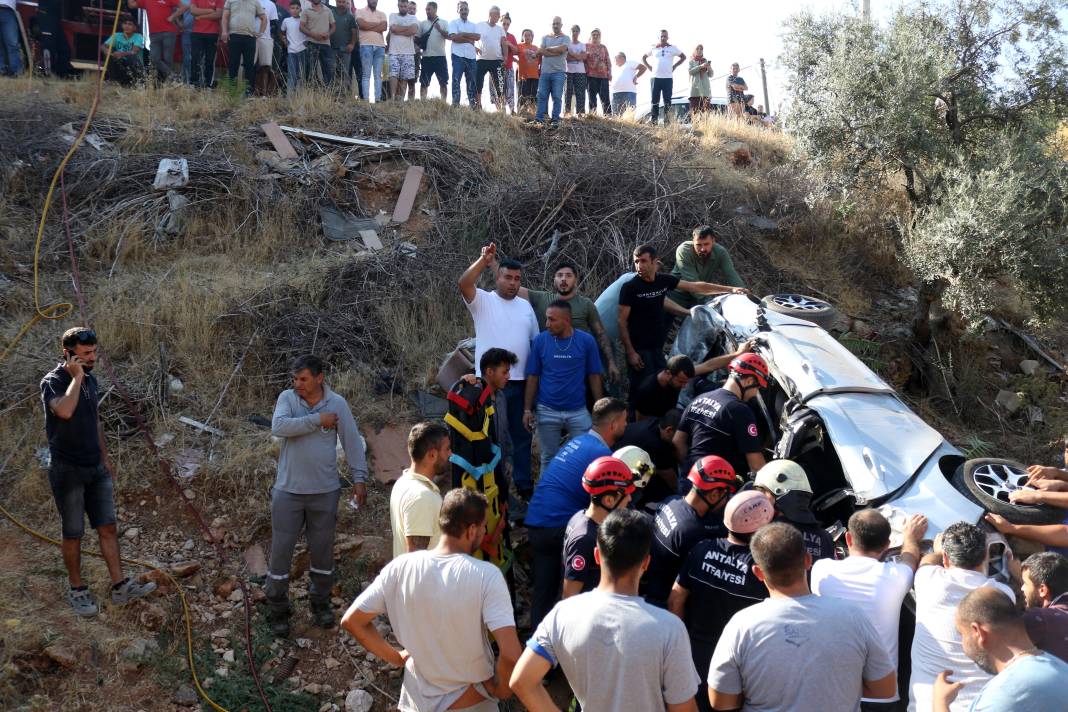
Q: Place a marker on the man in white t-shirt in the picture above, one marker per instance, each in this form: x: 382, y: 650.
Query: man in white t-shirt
x: 492, y: 46
x: 956, y: 567
x: 415, y: 500
x: 667, y: 57
x: 625, y: 85
x: 505, y: 320
x: 440, y: 604
x: 875, y: 586
x: 617, y: 651
x: 265, y: 46
x: 403, y: 27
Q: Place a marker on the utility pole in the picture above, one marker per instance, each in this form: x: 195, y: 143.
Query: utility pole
x: 764, y: 81
x: 865, y: 10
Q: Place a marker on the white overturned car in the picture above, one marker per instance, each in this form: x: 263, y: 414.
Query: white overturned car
x: 857, y: 440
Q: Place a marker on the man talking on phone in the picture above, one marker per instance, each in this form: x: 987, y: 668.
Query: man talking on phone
x: 80, y: 470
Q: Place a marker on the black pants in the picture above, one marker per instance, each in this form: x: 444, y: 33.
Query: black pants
x: 575, y: 87
x: 662, y: 88
x: 598, y: 87
x: 58, y: 52
x: 547, y: 549
x: 126, y: 70
x: 493, y: 67
x: 654, y: 362
x: 243, y: 52
x: 202, y: 67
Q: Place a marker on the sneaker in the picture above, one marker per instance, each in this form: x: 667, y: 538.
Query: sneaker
x: 83, y: 602
x: 130, y: 590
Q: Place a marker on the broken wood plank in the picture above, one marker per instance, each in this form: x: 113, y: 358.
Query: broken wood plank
x: 278, y: 140
x: 334, y: 138
x: 1029, y: 340
x: 200, y: 426
x: 370, y: 240
x: 412, y: 179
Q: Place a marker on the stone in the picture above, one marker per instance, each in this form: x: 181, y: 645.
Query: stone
x: 236, y: 596
x: 256, y: 560
x: 359, y: 701
x: 221, y: 633
x: 862, y: 330
x: 221, y: 672
x: 313, y: 688
x: 186, y: 696
x: 228, y: 656
x: 224, y: 586
x: 131, y: 533
x: 331, y: 664
x: 185, y: 568
x: 61, y: 654
x: 1008, y: 401
x: 160, y: 578
x: 304, y: 642
x: 189, y: 545
x: 1029, y: 367
x: 188, y: 494
x: 139, y: 648
x: 152, y: 616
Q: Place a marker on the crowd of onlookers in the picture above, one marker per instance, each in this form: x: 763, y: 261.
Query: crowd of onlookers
x: 271, y: 46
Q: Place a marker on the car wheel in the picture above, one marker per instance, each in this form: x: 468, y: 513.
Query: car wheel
x: 811, y: 309
x: 988, y: 482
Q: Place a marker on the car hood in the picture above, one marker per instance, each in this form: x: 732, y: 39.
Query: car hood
x: 879, y: 441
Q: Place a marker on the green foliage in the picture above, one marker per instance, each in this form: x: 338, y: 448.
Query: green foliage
x: 959, y: 102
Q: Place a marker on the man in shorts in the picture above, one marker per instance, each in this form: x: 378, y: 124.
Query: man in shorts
x: 80, y: 470
x: 433, y: 63
x: 403, y: 28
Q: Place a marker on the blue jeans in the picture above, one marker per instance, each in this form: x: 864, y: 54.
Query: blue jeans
x: 514, y: 394
x: 10, y: 56
x: 295, y: 68
x: 551, y: 83
x: 623, y: 101
x: 468, y: 68
x: 551, y: 426
x: 371, y: 63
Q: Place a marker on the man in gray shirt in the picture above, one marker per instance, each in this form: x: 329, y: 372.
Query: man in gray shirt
x: 309, y: 418
x: 769, y: 655
x: 553, y: 53
x: 617, y: 651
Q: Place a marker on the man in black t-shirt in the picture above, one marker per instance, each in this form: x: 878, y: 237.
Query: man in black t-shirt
x: 684, y: 521
x: 610, y: 483
x: 79, y: 472
x: 659, y: 392
x: 721, y: 423
x: 716, y: 580
x: 786, y: 486
x: 641, y: 313
x: 653, y: 435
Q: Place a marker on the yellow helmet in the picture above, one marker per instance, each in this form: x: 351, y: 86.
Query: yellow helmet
x: 782, y: 476
x: 638, y: 461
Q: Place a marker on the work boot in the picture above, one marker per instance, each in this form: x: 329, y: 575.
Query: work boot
x: 129, y: 589
x: 278, y: 617
x: 322, y: 614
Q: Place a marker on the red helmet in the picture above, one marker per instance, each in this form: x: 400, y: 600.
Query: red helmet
x: 607, y: 474
x: 713, y: 472
x: 751, y: 364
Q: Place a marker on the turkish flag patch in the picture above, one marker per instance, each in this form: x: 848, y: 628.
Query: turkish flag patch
x: 752, y: 430
x: 578, y: 563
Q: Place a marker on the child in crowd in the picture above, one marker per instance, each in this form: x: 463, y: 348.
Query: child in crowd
x: 296, y: 55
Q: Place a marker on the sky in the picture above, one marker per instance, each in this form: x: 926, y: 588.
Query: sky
x: 740, y: 32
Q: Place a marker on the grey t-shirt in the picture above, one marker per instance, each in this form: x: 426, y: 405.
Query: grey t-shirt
x: 595, y: 637
x: 558, y: 63
x: 344, y: 24
x: 807, y: 654
x: 435, y: 43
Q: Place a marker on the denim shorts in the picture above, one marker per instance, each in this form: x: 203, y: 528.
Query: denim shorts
x: 81, y: 491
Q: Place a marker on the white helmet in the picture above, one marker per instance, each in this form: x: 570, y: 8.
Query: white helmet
x: 782, y: 476
x: 638, y: 461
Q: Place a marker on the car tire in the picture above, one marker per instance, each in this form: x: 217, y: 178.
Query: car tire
x: 802, y: 306
x: 978, y: 481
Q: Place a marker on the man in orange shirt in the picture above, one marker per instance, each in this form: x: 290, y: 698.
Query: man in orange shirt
x: 529, y: 70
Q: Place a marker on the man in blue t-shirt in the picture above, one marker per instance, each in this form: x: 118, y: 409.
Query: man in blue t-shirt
x: 559, y: 494
x: 562, y: 358
x: 126, y: 65
x: 993, y: 634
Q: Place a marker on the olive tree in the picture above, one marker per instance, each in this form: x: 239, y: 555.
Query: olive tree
x: 957, y: 104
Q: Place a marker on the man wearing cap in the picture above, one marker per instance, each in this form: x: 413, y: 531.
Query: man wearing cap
x: 720, y: 422
x: 610, y: 483
x: 786, y: 485
x: 684, y: 521
x: 716, y: 580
